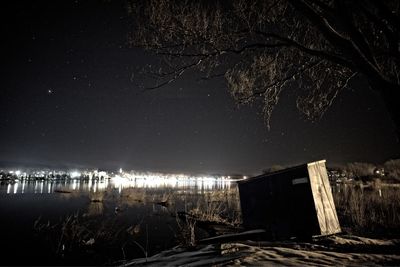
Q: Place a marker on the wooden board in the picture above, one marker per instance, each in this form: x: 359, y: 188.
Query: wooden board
x: 323, y: 199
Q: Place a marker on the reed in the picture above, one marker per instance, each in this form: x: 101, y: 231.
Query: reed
x: 369, y: 210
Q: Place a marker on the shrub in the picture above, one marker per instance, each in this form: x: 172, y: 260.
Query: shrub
x: 392, y: 169
x: 360, y: 169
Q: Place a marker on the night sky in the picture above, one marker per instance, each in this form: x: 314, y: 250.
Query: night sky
x: 70, y: 97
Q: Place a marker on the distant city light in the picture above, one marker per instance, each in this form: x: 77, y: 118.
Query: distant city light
x: 75, y: 174
x: 100, y: 180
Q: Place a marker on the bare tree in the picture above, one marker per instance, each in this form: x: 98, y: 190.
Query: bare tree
x: 265, y: 47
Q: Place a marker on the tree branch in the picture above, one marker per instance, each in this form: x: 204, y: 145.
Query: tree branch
x: 280, y: 82
x: 177, y: 73
x: 312, y: 52
x: 338, y: 41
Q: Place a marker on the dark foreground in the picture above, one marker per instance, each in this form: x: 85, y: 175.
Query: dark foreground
x: 340, y: 250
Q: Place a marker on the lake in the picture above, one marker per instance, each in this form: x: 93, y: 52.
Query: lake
x: 103, y: 222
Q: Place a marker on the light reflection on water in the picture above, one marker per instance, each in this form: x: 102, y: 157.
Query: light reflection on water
x: 117, y: 204
x: 76, y: 185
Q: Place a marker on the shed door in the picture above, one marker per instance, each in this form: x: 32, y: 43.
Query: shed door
x: 304, y: 222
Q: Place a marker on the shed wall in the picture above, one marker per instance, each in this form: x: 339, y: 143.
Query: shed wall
x: 282, y: 203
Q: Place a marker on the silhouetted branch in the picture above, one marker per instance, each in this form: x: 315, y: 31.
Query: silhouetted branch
x: 176, y: 74
x: 261, y: 46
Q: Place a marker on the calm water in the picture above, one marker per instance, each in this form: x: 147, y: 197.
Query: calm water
x: 112, y: 219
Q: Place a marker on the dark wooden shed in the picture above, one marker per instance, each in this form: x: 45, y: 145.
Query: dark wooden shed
x: 295, y: 202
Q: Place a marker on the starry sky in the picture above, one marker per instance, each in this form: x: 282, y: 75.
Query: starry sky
x: 68, y: 98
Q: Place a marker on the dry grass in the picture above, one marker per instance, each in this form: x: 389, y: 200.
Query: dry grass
x: 132, y: 196
x: 219, y: 206
x: 186, y: 236
x: 366, y: 210
x: 72, y: 232
x: 98, y: 196
x: 372, y: 210
x: 77, y: 240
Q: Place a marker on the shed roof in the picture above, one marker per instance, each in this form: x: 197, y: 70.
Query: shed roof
x: 251, y: 179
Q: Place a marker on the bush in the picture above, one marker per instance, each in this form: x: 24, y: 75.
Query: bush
x: 392, y: 169
x: 360, y: 170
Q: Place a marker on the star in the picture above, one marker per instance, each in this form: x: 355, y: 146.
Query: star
x: 50, y: 91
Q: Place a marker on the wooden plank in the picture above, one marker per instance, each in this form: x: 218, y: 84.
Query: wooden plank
x: 323, y: 199
x: 233, y: 237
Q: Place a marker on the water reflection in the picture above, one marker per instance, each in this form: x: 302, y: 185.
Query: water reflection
x: 16, y: 187
x: 202, y: 184
x: 100, y: 185
x: 139, y: 208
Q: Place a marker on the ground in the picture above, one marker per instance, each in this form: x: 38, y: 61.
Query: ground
x: 340, y: 250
